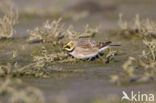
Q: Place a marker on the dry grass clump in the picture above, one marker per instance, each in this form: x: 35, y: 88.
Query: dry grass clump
x: 13, y: 69
x: 8, y: 21
x: 9, y: 68
x: 14, y: 91
x: 88, y: 32
x: 49, y: 58
x: 139, y: 28
x: 42, y: 67
x: 5, y: 69
x: 46, y: 63
x: 108, y: 55
x: 48, y: 32
x: 53, y: 32
x: 151, y: 52
x: 141, y: 68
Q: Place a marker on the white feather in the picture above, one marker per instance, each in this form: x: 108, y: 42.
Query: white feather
x: 103, y: 48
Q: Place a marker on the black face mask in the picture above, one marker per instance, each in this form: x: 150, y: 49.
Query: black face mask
x: 69, y: 48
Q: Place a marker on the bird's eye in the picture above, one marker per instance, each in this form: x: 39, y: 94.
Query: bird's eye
x: 68, y: 47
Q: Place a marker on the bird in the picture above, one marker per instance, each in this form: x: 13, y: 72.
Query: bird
x: 86, y: 48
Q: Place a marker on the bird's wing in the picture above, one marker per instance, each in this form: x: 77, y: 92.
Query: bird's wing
x: 86, y: 43
x: 89, y: 44
x: 101, y: 45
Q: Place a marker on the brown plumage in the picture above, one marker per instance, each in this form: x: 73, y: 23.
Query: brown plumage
x: 88, y: 43
x: 83, y: 48
x: 101, y: 44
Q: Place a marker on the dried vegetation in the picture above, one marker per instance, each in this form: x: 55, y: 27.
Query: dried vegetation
x: 8, y: 20
x: 141, y: 68
x: 49, y: 32
x: 15, y: 91
x: 54, y: 32
x: 136, y: 29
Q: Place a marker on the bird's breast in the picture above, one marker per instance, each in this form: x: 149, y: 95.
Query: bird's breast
x: 83, y: 54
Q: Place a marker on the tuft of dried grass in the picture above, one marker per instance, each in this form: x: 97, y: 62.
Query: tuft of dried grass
x: 129, y: 67
x: 48, y: 59
x: 140, y: 28
x: 48, y: 32
x: 88, y: 32
x: 108, y: 55
x: 151, y: 52
x: 14, y: 91
x: 139, y: 69
x: 53, y: 32
x: 42, y: 67
x: 13, y: 69
x: 9, y: 20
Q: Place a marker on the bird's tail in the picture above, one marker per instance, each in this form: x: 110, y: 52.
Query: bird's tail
x: 101, y: 45
x: 115, y: 45
x: 109, y: 43
x: 105, y: 45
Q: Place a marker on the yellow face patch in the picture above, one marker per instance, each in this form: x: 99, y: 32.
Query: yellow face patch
x: 69, y: 46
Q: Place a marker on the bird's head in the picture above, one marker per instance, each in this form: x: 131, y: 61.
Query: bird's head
x: 69, y: 46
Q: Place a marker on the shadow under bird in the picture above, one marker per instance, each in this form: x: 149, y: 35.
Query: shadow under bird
x: 85, y: 48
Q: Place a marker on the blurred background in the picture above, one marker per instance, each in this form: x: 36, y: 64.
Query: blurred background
x: 80, y: 12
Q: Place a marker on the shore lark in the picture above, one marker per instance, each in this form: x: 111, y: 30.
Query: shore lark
x: 85, y: 48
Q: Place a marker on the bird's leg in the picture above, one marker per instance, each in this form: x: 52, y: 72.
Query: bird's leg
x: 99, y: 55
x: 89, y: 59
